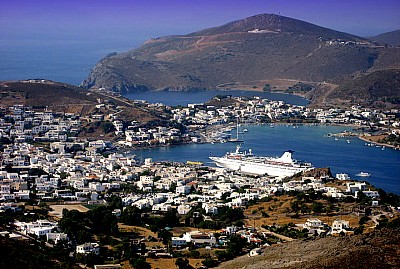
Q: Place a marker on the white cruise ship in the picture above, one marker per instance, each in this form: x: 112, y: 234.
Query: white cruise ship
x: 246, y: 162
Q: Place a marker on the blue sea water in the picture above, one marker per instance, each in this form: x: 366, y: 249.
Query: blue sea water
x: 309, y: 144
x: 68, y: 61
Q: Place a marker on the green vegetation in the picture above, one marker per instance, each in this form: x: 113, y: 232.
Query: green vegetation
x: 234, y: 248
x: 391, y: 139
x: 22, y: 254
x: 139, y: 263
x: 300, y: 87
x: 288, y: 230
x: 81, y: 226
x: 267, y: 88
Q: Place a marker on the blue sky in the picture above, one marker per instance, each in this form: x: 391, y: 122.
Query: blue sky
x: 63, y: 39
x: 69, y: 19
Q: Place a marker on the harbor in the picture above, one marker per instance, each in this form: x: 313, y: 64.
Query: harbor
x: 310, y: 143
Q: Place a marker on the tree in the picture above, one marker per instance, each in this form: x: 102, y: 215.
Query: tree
x: 139, y: 263
x: 195, y: 254
x: 170, y: 218
x: 131, y: 215
x: 183, y: 263
x: 317, y: 207
x: 115, y: 202
x: 267, y: 88
x: 235, y: 245
x: 165, y: 236
x: 102, y: 220
x: 108, y: 127
x: 210, y: 263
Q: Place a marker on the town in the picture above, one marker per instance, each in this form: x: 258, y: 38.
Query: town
x: 100, y: 207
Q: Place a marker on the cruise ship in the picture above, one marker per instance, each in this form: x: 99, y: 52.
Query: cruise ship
x: 246, y: 162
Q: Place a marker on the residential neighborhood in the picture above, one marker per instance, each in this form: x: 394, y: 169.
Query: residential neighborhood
x: 50, y: 175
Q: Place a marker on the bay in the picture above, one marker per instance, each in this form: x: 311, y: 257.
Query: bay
x: 309, y: 144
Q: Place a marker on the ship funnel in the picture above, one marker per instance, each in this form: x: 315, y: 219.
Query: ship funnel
x: 286, y: 157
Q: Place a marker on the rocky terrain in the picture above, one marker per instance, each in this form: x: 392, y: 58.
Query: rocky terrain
x: 391, y: 38
x: 65, y: 98
x: 379, y: 249
x: 44, y: 93
x: 380, y: 88
x: 245, y: 54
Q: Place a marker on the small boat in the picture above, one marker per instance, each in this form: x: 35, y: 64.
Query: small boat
x: 194, y: 163
x: 348, y: 141
x: 336, y: 139
x: 363, y: 174
x: 245, y: 130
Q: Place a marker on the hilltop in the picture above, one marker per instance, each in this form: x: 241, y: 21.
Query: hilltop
x: 391, y: 38
x: 244, y: 54
x: 65, y: 98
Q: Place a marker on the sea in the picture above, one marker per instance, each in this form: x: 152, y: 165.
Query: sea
x: 70, y: 61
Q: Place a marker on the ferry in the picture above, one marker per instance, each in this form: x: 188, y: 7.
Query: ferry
x: 246, y: 162
x: 363, y: 174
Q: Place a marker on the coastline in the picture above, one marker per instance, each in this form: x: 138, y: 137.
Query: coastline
x: 364, y: 138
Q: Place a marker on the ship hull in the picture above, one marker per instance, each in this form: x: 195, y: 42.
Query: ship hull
x: 258, y: 168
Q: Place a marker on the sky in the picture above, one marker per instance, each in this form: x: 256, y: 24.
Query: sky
x: 141, y: 19
x: 63, y: 39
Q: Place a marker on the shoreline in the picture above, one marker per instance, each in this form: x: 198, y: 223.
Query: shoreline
x: 364, y: 138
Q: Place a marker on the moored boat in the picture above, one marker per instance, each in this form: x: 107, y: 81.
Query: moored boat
x: 363, y: 174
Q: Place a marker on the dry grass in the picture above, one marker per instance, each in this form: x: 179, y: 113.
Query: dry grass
x: 281, y: 213
x: 136, y: 229
x: 57, y: 209
x: 170, y: 263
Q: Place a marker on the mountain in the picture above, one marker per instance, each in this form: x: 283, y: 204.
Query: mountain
x: 244, y: 54
x: 391, y: 38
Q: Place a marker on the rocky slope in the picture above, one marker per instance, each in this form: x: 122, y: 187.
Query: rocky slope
x: 391, y: 38
x: 61, y: 97
x: 45, y: 93
x: 376, y: 250
x: 379, y: 88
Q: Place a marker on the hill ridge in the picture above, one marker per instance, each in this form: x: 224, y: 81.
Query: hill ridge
x: 243, y: 54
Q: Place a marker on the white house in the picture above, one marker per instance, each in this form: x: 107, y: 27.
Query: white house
x: 255, y: 252
x: 342, y: 176
x: 40, y: 231
x: 200, y: 238
x: 178, y: 241
x: 183, y: 189
x: 339, y: 226
x: 56, y: 237
x: 88, y: 248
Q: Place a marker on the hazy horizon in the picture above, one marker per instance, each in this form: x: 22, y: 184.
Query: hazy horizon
x: 38, y: 37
